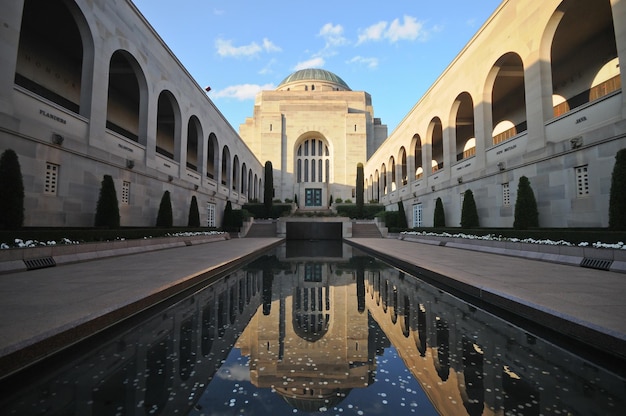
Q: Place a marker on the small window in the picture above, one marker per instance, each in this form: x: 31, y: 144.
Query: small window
x: 125, y: 192
x: 582, y: 181
x: 506, y: 195
x: 211, y: 215
x: 52, y: 178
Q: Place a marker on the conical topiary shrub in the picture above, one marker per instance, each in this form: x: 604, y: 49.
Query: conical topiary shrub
x: 526, y: 214
x: 402, y: 216
x: 194, y: 214
x: 268, y: 188
x: 228, y: 222
x: 165, y: 218
x: 617, y: 197
x: 469, y: 213
x: 107, y: 209
x: 11, y: 191
x: 360, y: 199
x: 440, y: 216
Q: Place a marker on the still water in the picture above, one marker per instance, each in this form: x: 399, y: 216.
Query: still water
x: 316, y: 328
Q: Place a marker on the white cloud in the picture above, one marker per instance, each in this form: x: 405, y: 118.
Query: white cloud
x: 333, y: 34
x: 374, y: 32
x: 409, y: 29
x: 317, y: 62
x: 242, y: 92
x: 369, y: 62
x: 226, y: 48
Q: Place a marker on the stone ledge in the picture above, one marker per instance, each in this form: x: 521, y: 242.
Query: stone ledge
x: 12, y: 259
x: 543, y: 252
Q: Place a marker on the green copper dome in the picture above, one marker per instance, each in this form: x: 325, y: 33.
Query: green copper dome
x: 314, y: 74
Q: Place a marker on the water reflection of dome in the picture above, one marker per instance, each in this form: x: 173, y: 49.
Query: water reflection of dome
x: 312, y: 400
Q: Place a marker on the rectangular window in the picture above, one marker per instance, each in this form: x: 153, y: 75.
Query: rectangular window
x: 125, y: 192
x: 211, y: 215
x: 506, y: 195
x: 582, y: 181
x: 417, y: 215
x: 52, y: 179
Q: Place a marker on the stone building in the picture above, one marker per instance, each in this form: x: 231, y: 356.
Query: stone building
x: 537, y: 92
x: 87, y: 92
x: 315, y: 130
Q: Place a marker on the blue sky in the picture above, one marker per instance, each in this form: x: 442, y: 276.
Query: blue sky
x: 393, y: 49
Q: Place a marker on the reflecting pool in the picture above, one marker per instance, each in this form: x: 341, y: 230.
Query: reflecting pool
x: 316, y: 328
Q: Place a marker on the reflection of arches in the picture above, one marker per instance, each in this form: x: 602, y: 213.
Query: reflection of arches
x: 186, y: 346
x: 583, y: 57
x: 442, y: 361
x: 474, y: 393
x: 208, y: 327
x: 420, y: 335
x: 508, y: 96
x: 310, y: 311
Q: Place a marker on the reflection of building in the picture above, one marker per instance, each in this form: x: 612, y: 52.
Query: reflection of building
x: 157, y: 368
x: 315, y: 130
x: 313, y: 344
x: 88, y: 90
x: 537, y: 92
x: 471, y: 362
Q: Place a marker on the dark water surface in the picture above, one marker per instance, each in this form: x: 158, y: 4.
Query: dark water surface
x: 316, y: 328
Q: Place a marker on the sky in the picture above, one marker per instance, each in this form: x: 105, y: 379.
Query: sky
x: 392, y: 49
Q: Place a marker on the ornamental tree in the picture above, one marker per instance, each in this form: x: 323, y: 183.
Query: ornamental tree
x: 11, y: 191
x: 194, y: 214
x: 526, y: 214
x: 617, y: 196
x: 268, y: 190
x: 165, y: 218
x: 440, y: 216
x: 469, y: 213
x: 359, y: 190
x: 107, y: 209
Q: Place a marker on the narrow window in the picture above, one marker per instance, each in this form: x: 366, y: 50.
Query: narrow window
x: 211, y: 215
x: 355, y: 127
x: 506, y: 195
x: 582, y: 181
x: 313, y: 170
x: 270, y: 126
x: 306, y: 170
x: 52, y: 178
x: 125, y: 192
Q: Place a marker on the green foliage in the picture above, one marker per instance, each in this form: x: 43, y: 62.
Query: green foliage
x: 350, y: 211
x: 469, y: 212
x: 194, y: 214
x: 268, y: 190
x: 338, y: 201
x: 107, y: 209
x: 617, y: 197
x: 11, y: 191
x: 295, y: 200
x: 165, y: 217
x: 330, y: 201
x: 440, y: 215
x: 359, y: 190
x: 228, y: 220
x: 526, y: 214
x: 258, y: 210
x: 402, y: 216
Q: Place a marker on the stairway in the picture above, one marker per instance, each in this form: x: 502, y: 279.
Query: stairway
x: 365, y: 230
x: 262, y: 230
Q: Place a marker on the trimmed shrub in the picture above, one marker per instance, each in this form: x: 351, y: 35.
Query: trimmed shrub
x: 359, y: 190
x: 440, y: 215
x: 258, y: 210
x: 526, y: 214
x: 617, y: 197
x: 107, y: 209
x: 469, y: 213
x: 228, y: 220
x: 165, y: 218
x: 11, y: 191
x: 350, y: 210
x: 402, y: 216
x: 330, y: 201
x: 268, y: 190
x: 194, y: 214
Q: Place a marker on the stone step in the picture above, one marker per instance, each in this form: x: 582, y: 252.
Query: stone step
x: 365, y: 231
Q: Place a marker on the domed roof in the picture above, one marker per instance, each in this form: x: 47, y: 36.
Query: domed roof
x: 314, y: 74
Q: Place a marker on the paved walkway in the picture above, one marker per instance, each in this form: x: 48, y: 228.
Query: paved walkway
x: 586, y: 304
x: 47, y: 309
